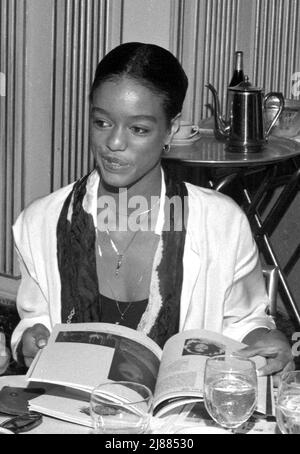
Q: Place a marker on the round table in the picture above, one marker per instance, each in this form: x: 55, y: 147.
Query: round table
x: 205, y: 150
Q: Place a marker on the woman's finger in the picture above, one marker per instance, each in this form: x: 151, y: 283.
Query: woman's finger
x: 40, y: 334
x: 272, y: 366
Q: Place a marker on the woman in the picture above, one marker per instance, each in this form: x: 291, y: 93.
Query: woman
x: 88, y: 253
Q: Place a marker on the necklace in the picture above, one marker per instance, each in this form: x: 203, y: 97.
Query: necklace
x: 122, y: 313
x: 120, y: 255
x: 138, y: 279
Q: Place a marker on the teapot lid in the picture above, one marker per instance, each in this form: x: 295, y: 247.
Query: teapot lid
x: 245, y: 86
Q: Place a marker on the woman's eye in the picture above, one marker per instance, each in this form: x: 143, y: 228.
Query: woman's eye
x: 139, y: 130
x: 101, y: 123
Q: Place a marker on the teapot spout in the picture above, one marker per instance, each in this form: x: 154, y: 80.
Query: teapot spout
x: 221, y: 129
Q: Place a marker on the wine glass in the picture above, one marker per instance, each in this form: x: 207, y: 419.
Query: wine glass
x: 122, y: 407
x: 230, y: 389
x: 288, y: 403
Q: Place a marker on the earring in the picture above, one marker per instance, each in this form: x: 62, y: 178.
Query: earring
x: 166, y: 148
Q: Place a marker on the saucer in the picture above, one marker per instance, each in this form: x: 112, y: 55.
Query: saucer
x: 186, y: 141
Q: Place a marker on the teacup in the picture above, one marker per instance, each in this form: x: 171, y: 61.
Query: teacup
x: 186, y: 131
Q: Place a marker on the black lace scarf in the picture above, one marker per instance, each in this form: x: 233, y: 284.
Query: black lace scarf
x: 78, y: 271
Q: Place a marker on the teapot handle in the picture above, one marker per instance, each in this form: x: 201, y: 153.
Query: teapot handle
x: 280, y: 98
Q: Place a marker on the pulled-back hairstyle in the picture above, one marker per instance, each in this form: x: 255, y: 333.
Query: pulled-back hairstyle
x: 152, y: 66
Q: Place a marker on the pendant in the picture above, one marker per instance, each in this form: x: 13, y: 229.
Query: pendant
x: 70, y: 316
x: 119, y: 263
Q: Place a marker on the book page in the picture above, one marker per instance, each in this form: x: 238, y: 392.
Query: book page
x: 64, y: 403
x: 83, y: 355
x: 181, y: 372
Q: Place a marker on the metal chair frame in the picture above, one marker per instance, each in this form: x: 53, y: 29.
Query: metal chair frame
x: 270, y: 274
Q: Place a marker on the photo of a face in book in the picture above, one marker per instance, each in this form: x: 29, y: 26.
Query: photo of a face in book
x: 205, y: 347
x: 134, y: 362
x: 131, y: 361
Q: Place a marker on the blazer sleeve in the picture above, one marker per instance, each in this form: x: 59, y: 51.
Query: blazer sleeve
x: 246, y: 298
x: 32, y: 305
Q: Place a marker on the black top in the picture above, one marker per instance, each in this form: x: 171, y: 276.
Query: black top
x: 132, y: 311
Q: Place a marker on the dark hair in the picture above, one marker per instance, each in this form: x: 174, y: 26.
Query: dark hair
x: 154, y: 67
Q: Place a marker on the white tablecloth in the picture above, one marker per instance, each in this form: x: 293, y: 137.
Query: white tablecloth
x: 185, y: 422
x: 49, y: 425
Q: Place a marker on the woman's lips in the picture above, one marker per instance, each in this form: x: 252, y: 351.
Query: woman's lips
x: 112, y: 163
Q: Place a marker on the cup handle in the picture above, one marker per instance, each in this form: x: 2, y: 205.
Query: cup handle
x: 195, y: 130
x: 280, y: 98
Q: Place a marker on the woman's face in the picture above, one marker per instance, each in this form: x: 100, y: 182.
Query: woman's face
x: 128, y: 131
x: 200, y: 348
x: 130, y: 371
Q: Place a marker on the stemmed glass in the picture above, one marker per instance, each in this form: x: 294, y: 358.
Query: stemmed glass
x: 230, y: 389
x: 121, y: 408
x: 288, y: 403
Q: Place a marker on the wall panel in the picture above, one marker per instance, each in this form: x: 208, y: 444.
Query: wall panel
x: 82, y: 33
x: 49, y: 52
x: 276, y: 44
x: 205, y: 34
x: 12, y: 67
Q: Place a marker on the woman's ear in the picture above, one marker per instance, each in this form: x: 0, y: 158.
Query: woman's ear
x: 174, y: 126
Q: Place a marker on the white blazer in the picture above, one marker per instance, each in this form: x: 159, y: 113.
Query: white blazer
x: 223, y: 288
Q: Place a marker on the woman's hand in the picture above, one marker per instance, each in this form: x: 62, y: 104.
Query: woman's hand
x: 33, y: 340
x: 4, y: 354
x: 274, y: 346
x: 4, y: 360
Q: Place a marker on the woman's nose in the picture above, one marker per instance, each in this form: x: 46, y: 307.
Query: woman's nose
x: 117, y: 140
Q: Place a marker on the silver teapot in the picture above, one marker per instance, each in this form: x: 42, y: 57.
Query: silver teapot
x: 244, y: 126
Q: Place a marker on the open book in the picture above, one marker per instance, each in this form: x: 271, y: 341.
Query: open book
x: 80, y: 356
